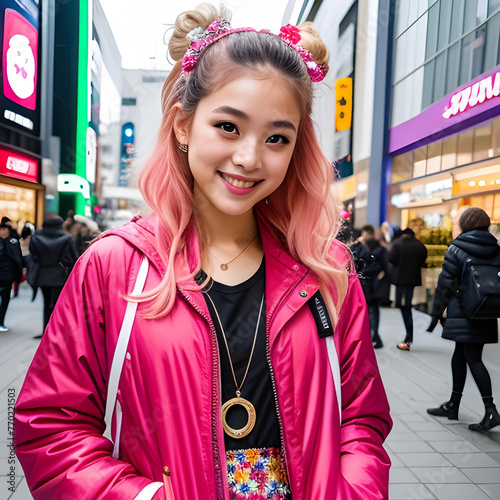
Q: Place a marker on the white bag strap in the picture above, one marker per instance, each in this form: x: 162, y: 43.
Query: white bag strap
x: 335, y: 366
x: 121, y: 348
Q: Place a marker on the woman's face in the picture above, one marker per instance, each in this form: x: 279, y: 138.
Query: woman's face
x: 241, y: 139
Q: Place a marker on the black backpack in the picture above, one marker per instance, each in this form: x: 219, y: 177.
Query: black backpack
x: 480, y: 289
x: 367, y: 265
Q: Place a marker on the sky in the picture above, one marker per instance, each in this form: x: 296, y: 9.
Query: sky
x: 139, y: 26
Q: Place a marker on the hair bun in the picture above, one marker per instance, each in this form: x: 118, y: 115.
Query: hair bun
x: 186, y: 22
x: 313, y: 43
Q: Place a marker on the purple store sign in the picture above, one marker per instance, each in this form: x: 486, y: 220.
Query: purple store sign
x: 472, y: 103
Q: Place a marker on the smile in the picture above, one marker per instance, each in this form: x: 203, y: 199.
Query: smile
x: 237, y: 183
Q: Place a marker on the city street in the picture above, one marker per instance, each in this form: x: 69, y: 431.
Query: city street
x: 431, y: 458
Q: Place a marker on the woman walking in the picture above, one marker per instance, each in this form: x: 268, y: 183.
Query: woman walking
x: 230, y: 386
x: 470, y: 335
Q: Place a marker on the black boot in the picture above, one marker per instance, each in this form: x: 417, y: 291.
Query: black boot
x: 448, y: 409
x: 491, y: 419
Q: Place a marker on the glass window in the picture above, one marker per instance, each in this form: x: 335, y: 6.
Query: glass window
x: 432, y: 31
x: 402, y: 16
x: 419, y: 161
x: 421, y: 32
x: 440, y: 77
x: 398, y: 103
x: 423, y: 6
x: 492, y: 49
x: 444, y: 24
x: 417, y: 92
x: 470, y: 18
x: 453, y: 67
x: 471, y: 64
x: 434, y: 157
x: 482, y: 11
x: 493, y: 6
x: 465, y: 140
x: 449, y: 156
x: 457, y: 20
x: 402, y: 167
x: 428, y: 84
x: 411, y: 49
x: 495, y: 136
x: 482, y: 142
x: 400, y: 63
x: 412, y: 12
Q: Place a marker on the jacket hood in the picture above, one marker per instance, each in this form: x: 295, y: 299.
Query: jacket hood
x: 478, y: 243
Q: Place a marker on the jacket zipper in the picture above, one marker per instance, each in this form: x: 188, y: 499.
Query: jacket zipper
x: 219, y: 486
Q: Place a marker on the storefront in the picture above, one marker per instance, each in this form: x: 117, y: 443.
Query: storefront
x: 21, y: 194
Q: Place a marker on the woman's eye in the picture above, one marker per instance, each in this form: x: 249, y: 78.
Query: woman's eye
x: 227, y: 127
x: 277, y: 139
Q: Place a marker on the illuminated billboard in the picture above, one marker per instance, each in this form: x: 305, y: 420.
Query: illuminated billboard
x: 19, y: 39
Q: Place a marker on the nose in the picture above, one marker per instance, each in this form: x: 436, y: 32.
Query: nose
x: 248, y: 155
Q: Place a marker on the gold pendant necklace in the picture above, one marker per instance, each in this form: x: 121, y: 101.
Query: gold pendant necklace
x: 238, y: 400
x: 224, y: 265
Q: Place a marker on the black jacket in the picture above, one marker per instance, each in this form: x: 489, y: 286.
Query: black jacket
x: 11, y: 260
x: 482, y: 247
x: 407, y: 256
x: 54, y: 254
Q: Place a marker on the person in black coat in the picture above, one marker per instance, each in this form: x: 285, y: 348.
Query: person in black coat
x: 470, y: 335
x: 407, y: 257
x: 53, y: 254
x: 11, y: 269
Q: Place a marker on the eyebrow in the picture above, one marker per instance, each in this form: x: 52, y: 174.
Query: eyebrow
x: 229, y: 110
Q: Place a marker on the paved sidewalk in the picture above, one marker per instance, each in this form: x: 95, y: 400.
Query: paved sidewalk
x: 432, y: 457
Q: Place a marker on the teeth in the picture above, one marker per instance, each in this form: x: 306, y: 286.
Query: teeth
x: 236, y: 183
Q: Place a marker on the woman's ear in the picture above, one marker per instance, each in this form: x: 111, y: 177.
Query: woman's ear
x: 181, y: 124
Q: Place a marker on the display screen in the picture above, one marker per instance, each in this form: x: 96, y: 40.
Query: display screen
x: 19, y: 96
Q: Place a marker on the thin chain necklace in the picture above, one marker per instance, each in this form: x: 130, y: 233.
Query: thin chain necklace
x: 238, y: 400
x: 224, y: 265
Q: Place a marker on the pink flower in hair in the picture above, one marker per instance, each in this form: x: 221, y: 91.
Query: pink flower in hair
x: 290, y: 34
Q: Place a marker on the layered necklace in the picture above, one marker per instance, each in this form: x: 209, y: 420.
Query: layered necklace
x: 238, y: 400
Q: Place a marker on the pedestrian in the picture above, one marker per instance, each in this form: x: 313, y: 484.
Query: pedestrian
x: 470, y: 335
x: 11, y: 269
x: 407, y: 257
x: 227, y: 377
x: 53, y: 255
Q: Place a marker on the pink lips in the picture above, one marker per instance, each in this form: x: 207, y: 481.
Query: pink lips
x: 237, y: 190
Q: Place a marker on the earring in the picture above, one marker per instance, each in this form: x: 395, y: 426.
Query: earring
x: 182, y: 147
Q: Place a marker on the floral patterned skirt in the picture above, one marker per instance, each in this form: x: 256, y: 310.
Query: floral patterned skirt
x: 257, y: 474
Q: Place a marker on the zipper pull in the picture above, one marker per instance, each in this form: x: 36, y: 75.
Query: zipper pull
x: 167, y: 483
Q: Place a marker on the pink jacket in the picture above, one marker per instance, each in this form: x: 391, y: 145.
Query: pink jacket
x: 169, y: 388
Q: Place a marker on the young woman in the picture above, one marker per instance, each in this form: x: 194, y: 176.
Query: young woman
x: 250, y: 307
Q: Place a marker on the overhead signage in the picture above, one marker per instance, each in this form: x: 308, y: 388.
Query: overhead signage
x: 19, y: 94
x: 19, y: 166
x: 475, y: 94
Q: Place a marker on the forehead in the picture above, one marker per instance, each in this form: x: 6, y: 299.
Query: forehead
x: 262, y: 98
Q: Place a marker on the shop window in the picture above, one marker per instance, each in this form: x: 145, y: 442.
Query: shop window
x: 493, y: 6
x: 432, y: 31
x: 457, y: 20
x: 472, y: 55
x: 419, y: 161
x: 453, y: 67
x: 482, y: 142
x: 465, y: 141
x: 449, y: 156
x: 495, y: 137
x: 434, y: 157
x: 492, y: 48
x: 402, y: 167
x: 444, y: 24
x: 428, y: 84
x: 440, y: 77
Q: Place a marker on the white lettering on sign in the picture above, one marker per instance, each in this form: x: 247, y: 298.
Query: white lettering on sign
x: 481, y: 91
x: 18, y: 165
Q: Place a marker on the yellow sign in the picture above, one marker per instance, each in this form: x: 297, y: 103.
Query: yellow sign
x: 343, y: 104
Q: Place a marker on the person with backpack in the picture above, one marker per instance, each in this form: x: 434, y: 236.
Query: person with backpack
x: 476, y: 245
x: 407, y: 257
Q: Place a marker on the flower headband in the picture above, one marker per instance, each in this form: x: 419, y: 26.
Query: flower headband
x: 202, y: 38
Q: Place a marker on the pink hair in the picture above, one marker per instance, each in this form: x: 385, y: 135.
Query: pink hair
x: 302, y: 210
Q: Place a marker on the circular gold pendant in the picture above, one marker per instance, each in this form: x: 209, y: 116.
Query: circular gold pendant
x: 244, y: 431
x: 223, y: 267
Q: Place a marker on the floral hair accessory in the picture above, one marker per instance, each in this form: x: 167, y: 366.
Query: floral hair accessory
x: 291, y: 36
x: 220, y: 28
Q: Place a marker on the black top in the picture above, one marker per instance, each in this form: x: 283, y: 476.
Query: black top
x: 238, y: 307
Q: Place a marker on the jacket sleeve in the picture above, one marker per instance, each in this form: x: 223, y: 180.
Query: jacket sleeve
x: 448, y: 286
x: 394, y: 254
x: 59, y: 418
x: 13, y: 250
x: 365, y: 411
